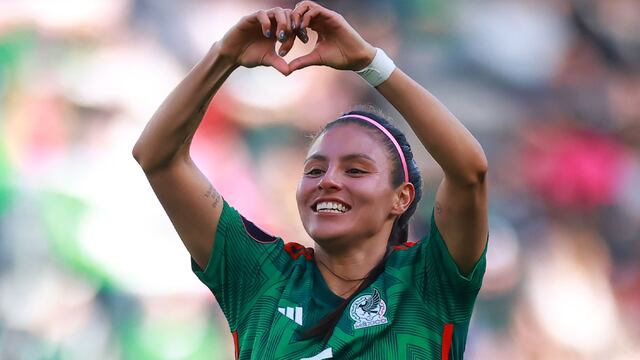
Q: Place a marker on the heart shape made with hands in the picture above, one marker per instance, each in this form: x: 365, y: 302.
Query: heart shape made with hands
x: 344, y: 50
x: 327, y: 39
x: 302, y: 54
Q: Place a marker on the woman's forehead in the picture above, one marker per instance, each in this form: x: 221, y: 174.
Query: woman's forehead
x: 343, y: 141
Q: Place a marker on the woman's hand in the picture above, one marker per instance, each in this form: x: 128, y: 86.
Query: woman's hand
x: 338, y: 46
x: 251, y: 42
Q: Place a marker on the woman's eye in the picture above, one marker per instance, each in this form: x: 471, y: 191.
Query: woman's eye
x: 356, y: 171
x: 313, y: 172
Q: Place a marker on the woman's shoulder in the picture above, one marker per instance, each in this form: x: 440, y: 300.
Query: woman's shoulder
x: 404, y: 254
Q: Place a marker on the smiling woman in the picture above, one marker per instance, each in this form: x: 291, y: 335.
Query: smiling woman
x: 364, y: 291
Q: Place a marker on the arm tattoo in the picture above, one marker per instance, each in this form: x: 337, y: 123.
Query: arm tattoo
x: 212, y: 194
x: 438, y: 208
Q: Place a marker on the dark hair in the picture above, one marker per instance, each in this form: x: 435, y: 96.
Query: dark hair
x: 400, y: 230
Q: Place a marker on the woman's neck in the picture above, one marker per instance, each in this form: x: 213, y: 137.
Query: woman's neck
x: 344, y: 270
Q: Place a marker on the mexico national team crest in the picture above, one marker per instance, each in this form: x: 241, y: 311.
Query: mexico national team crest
x: 368, y: 310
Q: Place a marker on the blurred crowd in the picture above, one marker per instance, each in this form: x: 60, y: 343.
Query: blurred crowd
x: 91, y: 268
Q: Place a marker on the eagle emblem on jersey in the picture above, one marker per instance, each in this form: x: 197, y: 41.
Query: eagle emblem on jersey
x: 368, y: 310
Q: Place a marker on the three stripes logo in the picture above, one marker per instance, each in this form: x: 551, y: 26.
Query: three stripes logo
x: 293, y: 313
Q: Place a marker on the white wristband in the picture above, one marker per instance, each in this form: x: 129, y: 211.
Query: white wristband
x: 379, y: 70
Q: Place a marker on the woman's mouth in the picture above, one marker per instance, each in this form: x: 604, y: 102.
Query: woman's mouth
x: 330, y: 207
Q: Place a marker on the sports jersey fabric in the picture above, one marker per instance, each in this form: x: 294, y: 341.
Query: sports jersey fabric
x: 270, y: 292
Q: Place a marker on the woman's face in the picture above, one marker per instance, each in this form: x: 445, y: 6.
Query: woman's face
x: 345, y: 192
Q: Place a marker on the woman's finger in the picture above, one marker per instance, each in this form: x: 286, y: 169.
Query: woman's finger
x: 296, y: 17
x: 298, y: 12
x: 312, y: 58
x: 283, y: 26
x: 273, y: 60
x: 265, y: 22
x: 289, y: 41
x: 287, y: 15
x: 286, y: 46
x: 302, y: 34
x: 308, y: 17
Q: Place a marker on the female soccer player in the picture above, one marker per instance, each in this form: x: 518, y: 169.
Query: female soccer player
x: 363, y: 291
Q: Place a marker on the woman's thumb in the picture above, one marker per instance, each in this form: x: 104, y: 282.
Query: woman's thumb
x: 275, y: 61
x: 312, y: 58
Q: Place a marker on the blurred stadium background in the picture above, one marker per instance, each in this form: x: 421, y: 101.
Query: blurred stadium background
x: 91, y: 268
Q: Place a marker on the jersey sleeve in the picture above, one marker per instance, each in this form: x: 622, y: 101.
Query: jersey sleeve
x: 441, y: 283
x: 242, y: 262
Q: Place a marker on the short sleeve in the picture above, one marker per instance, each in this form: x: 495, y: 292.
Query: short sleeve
x: 241, y: 263
x: 440, y: 281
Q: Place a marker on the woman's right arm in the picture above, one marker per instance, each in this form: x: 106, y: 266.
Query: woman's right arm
x: 187, y: 196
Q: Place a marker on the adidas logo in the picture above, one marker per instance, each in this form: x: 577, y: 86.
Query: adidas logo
x: 294, y: 314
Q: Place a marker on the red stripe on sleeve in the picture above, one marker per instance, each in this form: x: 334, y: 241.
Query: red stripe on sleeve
x: 235, y: 344
x: 447, y: 336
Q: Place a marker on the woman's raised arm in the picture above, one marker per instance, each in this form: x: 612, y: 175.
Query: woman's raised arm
x: 461, y: 200
x: 162, y: 150
x: 249, y: 43
x: 166, y: 137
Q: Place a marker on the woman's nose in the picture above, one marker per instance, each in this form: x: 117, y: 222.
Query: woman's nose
x: 329, y: 181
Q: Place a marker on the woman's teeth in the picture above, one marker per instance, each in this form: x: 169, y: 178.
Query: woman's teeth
x: 332, y: 207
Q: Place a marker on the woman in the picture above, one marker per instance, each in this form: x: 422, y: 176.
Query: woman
x: 363, y: 292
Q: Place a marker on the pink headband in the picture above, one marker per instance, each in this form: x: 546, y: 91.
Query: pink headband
x: 393, y: 140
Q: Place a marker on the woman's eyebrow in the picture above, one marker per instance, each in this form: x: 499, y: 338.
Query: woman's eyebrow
x: 357, y: 156
x: 354, y: 156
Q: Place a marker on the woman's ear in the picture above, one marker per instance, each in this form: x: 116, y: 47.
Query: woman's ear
x: 403, y: 198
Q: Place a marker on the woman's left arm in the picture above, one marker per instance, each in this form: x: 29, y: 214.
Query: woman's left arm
x: 461, y: 199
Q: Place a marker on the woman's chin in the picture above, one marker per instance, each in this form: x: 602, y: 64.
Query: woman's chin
x: 328, y: 237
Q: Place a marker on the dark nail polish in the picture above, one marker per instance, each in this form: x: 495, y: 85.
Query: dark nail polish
x: 268, y: 33
x: 281, y: 36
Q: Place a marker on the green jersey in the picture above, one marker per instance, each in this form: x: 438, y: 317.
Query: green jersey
x: 271, y: 292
